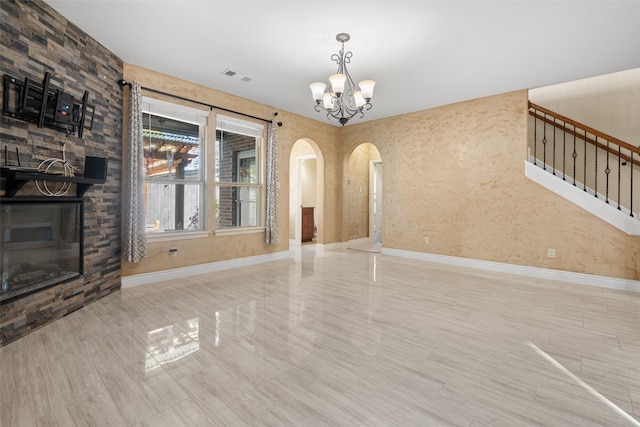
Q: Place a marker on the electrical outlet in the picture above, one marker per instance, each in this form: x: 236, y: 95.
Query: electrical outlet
x: 551, y: 253
x: 173, y: 251
x: 427, y: 240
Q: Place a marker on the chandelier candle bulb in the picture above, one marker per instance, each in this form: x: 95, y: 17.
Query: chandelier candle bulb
x: 366, y: 86
x: 327, y: 101
x: 343, y: 102
x: 337, y: 83
x: 317, y: 89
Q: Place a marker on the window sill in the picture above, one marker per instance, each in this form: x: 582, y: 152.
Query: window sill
x: 239, y: 230
x: 166, y: 236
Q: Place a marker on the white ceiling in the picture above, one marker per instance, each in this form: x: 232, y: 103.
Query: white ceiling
x: 422, y: 54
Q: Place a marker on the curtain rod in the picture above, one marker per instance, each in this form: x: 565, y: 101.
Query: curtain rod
x: 124, y: 83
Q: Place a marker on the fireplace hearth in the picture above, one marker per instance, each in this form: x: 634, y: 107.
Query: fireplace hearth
x: 41, y: 244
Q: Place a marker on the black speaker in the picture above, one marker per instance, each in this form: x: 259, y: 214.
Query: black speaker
x: 95, y: 168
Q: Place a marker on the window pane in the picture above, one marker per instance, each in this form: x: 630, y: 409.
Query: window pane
x: 171, y: 148
x: 236, y: 158
x: 237, y: 206
x: 172, y: 206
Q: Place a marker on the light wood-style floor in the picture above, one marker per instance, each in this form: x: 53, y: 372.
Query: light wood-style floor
x: 340, y: 338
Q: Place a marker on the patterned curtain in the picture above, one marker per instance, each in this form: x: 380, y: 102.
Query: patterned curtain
x: 134, y: 246
x: 273, y: 234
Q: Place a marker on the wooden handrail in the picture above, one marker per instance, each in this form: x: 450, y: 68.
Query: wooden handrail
x: 591, y: 130
x: 560, y: 126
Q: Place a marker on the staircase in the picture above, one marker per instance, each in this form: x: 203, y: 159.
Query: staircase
x: 590, y: 168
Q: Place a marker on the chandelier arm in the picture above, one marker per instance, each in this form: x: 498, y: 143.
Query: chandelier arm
x: 330, y: 113
x: 347, y: 57
x: 336, y: 114
x: 349, y: 112
x: 337, y: 59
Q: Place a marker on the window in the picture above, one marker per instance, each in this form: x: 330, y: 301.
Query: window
x: 239, y: 173
x: 174, y: 151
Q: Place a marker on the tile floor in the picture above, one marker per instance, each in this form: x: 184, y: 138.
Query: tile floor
x: 340, y: 338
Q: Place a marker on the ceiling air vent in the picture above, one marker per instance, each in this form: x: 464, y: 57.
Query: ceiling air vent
x: 236, y: 75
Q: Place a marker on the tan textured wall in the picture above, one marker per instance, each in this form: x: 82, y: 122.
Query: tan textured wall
x: 456, y: 174
x: 219, y: 248
x: 357, y: 190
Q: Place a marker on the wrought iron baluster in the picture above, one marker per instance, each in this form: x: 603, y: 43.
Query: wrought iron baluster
x: 595, y: 175
x: 607, y: 171
x: 564, y: 150
x: 584, y: 182
x: 535, y: 137
x: 619, y: 173
x: 544, y: 143
x: 554, y: 146
x: 574, y: 155
x: 631, y: 194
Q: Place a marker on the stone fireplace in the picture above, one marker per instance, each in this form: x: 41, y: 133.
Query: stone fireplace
x: 41, y: 244
x: 43, y: 41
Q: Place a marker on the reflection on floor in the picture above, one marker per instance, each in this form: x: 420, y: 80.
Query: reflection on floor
x: 334, y: 338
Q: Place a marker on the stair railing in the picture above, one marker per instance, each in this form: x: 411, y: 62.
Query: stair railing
x: 590, y: 149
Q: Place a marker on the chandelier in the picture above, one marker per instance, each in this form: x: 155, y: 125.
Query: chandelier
x: 343, y: 101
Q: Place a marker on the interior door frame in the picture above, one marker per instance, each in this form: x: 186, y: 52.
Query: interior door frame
x: 298, y: 201
x: 372, y: 176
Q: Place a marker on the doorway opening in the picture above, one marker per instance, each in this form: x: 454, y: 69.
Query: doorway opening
x: 307, y: 198
x: 305, y: 211
x: 363, y: 199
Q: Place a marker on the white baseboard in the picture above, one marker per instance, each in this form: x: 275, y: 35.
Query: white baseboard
x: 176, y: 273
x: 293, y: 243
x: 330, y: 246
x: 540, y: 273
x: 356, y: 242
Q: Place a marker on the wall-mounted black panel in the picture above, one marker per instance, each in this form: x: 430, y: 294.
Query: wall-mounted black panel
x: 40, y: 103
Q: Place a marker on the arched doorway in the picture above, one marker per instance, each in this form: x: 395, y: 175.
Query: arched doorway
x: 305, y: 192
x: 363, y: 198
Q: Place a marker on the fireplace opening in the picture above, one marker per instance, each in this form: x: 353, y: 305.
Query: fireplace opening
x: 41, y: 244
